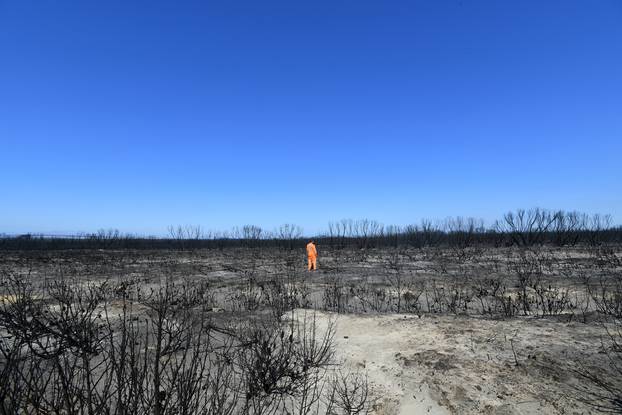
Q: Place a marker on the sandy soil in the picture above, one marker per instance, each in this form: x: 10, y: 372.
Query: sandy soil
x: 436, y: 364
x: 462, y: 365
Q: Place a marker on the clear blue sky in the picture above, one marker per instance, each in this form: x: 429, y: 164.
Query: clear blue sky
x: 140, y: 114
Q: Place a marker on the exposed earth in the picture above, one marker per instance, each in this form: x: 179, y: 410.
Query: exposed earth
x: 465, y: 365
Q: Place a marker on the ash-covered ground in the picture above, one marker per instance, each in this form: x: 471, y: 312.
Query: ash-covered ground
x: 386, y: 331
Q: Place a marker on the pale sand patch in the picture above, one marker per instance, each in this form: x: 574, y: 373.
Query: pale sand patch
x: 461, y: 365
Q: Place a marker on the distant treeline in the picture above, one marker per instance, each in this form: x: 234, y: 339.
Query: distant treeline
x: 517, y: 228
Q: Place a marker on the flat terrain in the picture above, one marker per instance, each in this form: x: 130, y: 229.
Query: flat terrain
x: 438, y: 331
x: 467, y: 365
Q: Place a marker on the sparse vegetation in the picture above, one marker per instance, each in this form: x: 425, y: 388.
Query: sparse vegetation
x: 225, y: 323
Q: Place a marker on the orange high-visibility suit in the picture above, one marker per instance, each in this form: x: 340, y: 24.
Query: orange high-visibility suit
x: 312, y: 256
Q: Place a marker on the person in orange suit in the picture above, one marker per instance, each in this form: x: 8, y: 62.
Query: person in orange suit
x: 312, y: 256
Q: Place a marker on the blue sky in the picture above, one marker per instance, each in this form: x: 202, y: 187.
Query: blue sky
x: 140, y: 114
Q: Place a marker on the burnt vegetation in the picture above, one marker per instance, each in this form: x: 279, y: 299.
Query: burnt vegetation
x: 224, y: 323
